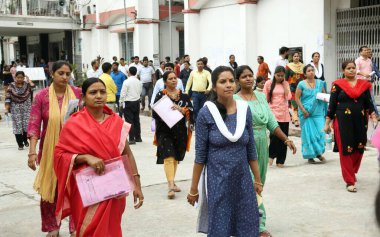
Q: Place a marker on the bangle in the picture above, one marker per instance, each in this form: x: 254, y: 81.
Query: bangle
x: 287, y: 140
x: 193, y: 195
x: 259, y: 184
x: 136, y: 175
x: 31, y: 154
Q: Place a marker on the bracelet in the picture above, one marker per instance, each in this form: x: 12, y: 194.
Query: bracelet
x: 259, y: 184
x: 287, y: 140
x: 31, y: 154
x: 193, y: 195
x: 136, y: 175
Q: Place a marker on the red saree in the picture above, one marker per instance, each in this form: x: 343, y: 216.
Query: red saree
x: 82, y: 134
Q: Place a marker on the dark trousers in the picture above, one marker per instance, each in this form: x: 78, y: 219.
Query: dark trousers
x: 277, y: 148
x: 147, y: 90
x: 21, y: 139
x: 119, y: 108
x: 199, y: 99
x: 132, y: 116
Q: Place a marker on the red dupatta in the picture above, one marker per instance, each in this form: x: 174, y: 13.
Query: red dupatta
x: 82, y: 134
x: 353, y: 92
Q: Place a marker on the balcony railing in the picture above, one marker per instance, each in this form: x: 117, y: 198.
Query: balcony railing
x: 34, y: 8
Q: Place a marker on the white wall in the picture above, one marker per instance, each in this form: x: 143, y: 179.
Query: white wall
x: 165, y: 40
x: 219, y: 33
x: 330, y: 7
x: 290, y: 23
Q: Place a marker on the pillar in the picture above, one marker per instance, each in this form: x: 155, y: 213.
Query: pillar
x: 44, y: 47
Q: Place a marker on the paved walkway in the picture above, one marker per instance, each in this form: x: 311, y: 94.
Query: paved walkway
x: 302, y: 200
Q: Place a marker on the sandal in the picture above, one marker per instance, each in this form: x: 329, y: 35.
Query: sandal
x: 270, y: 161
x: 322, y: 159
x: 311, y: 161
x: 176, y: 189
x: 296, y: 123
x: 171, y: 194
x: 54, y: 233
x: 280, y: 165
x: 265, y: 233
x: 351, y: 188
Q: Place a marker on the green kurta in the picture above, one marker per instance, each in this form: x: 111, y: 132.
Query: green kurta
x: 263, y: 119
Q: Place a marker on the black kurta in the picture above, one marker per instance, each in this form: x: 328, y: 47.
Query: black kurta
x: 172, y: 142
x: 352, y: 116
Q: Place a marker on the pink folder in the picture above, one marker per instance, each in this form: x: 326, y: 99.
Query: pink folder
x: 115, y: 182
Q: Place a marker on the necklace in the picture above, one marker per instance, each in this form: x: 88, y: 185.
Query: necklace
x: 245, y: 98
x: 172, y: 94
x: 311, y: 87
x: 104, y: 116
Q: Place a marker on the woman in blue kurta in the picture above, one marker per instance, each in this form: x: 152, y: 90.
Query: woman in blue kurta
x: 225, y: 147
x: 312, y: 114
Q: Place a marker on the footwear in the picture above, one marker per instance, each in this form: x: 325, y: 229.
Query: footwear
x: 351, y: 188
x: 54, y: 233
x: 270, y: 161
x: 296, y: 123
x: 280, y: 165
x: 265, y: 233
x: 311, y: 161
x: 26, y: 144
x: 171, y: 194
x: 142, y: 108
x: 176, y: 189
x: 132, y: 142
x: 322, y: 159
x: 138, y: 140
x: 20, y: 148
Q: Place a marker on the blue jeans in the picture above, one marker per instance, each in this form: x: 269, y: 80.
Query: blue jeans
x: 199, y: 99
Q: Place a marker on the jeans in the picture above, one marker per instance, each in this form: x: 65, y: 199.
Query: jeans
x: 147, y: 90
x: 199, y: 99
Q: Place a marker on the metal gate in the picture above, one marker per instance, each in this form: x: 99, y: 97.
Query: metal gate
x: 357, y: 27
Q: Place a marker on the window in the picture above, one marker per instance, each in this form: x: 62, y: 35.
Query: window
x: 181, y: 35
x: 129, y: 54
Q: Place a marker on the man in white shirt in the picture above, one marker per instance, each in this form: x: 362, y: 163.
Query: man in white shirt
x: 160, y: 85
x: 186, y: 58
x: 136, y: 63
x: 147, y: 78
x: 282, y: 60
x: 95, y: 71
x: 123, y: 67
x: 130, y: 100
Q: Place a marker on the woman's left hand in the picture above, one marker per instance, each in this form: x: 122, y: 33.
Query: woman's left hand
x: 137, y: 194
x: 258, y: 188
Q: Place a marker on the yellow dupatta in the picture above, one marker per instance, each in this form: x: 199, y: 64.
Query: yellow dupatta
x: 46, y: 180
x: 296, y: 68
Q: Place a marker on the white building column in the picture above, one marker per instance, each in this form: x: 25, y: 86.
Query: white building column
x: 192, y: 34
x: 248, y: 22
x: 146, y: 34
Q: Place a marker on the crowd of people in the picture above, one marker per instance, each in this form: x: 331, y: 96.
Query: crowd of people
x: 230, y: 108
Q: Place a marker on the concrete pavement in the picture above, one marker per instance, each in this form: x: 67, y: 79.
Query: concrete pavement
x: 302, y: 200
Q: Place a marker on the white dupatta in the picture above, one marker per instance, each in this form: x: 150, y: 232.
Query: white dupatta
x: 242, y: 108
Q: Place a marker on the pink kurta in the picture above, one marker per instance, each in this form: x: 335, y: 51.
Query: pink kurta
x: 39, y: 114
x: 279, y: 104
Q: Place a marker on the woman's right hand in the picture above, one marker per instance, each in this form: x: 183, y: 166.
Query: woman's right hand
x: 96, y: 163
x: 32, y: 160
x: 327, y: 128
x: 193, y: 197
x: 305, y: 114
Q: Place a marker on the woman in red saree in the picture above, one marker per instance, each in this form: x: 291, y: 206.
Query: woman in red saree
x: 89, y: 138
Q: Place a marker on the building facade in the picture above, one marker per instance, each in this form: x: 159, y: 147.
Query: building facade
x: 103, y: 31
x: 249, y: 28
x: 38, y: 29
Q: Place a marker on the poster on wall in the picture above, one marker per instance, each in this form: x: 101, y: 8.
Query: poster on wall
x: 156, y: 60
